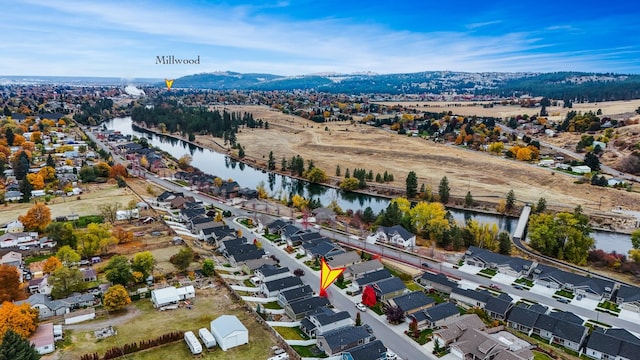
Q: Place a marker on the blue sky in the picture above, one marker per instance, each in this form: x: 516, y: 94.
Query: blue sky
x: 123, y: 38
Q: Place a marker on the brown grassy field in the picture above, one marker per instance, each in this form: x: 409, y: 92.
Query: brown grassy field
x: 150, y: 323
x: 349, y: 145
x: 84, y: 204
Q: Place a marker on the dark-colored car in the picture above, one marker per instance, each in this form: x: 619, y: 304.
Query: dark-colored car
x: 425, y: 265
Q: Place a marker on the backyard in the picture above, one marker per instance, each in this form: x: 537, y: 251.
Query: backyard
x: 149, y: 323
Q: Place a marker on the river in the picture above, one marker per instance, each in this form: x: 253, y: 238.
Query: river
x: 220, y: 165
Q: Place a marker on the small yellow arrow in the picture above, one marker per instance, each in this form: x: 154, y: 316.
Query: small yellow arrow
x: 169, y: 83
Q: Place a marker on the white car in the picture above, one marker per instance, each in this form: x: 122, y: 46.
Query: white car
x: 391, y: 355
x: 23, y: 248
x: 361, y: 307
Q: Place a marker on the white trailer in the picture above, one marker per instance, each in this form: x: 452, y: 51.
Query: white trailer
x: 193, y: 343
x: 207, y: 338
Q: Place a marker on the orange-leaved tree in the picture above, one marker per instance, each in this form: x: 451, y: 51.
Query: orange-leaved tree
x: 116, y: 298
x: 10, y: 289
x: 51, y: 265
x: 37, y: 218
x: 22, y: 319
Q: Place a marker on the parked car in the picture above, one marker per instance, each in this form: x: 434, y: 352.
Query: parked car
x: 391, y: 355
x: 494, y: 286
x: 518, y: 287
x: 368, y: 328
x: 361, y: 307
x: 23, y: 248
x: 425, y: 265
x: 563, y: 300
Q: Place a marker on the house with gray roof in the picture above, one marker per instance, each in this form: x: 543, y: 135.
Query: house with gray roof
x: 612, y: 344
x: 435, y: 316
x: 439, y: 282
x: 275, y: 287
x: 412, y: 302
x: 275, y: 226
x: 323, y: 248
x: 504, y: 264
x: 592, y: 287
x: 343, y: 260
x: 394, y: 235
x: 374, y: 350
x: 48, y: 307
x: 485, y: 345
x: 295, y: 294
x: 343, y: 339
x: 628, y: 297
x: 452, y: 329
x: 388, y: 288
x: 371, y: 277
x: 251, y: 265
x: 498, y: 308
x: 324, y: 320
x: 358, y: 270
x: 297, y: 310
x: 559, y: 331
x: 523, y: 319
x: 469, y: 298
x: 268, y: 273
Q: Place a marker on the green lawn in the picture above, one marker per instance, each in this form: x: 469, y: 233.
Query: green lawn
x: 437, y: 297
x: 424, y: 337
x: 377, y: 308
x: 564, y: 293
x: 525, y: 282
x: 540, y: 356
x: 411, y: 285
x: 343, y: 285
x: 290, y: 333
x: 272, y: 305
x: 488, y: 273
x: 36, y: 258
x: 609, y: 306
x: 305, y: 351
x: 248, y: 283
x: 272, y: 237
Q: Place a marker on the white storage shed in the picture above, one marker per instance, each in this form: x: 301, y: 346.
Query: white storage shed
x: 165, y: 297
x: 229, y: 332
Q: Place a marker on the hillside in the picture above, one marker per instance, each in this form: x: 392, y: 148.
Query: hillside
x: 574, y: 86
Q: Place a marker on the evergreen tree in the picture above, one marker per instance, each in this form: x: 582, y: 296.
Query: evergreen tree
x: 271, y: 165
x: 6, y: 111
x: 592, y: 161
x: 443, y: 190
x: 542, y: 205
x: 412, y: 185
x: 337, y: 170
x: 346, y: 174
x: 25, y: 189
x: 283, y: 164
x: 15, y: 347
x: 504, y: 243
x: 468, y: 200
x: 9, y: 136
x: 511, y: 200
x: 50, y: 161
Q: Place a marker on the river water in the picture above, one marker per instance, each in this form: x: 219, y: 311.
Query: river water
x: 278, y: 186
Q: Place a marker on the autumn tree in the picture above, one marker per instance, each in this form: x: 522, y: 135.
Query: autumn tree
x: 496, y: 147
x: 37, y: 218
x: 116, y: 298
x: 96, y: 238
x: 123, y: 236
x: 394, y: 314
x: 22, y: 319
x: 349, y: 184
x: 118, y: 270
x: 66, y: 281
x: 67, y: 255
x: 299, y: 202
x: 430, y: 219
x: 118, y: 170
x: 48, y: 174
x: 316, y: 175
x: 183, y: 258
x: 16, y: 347
x: 143, y: 262
x: 51, y: 265
x: 565, y: 235
x: 102, y: 169
x: 62, y: 233
x: 36, y: 181
x: 10, y: 289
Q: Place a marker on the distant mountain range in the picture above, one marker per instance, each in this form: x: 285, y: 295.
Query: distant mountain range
x: 561, y: 85
x: 574, y: 86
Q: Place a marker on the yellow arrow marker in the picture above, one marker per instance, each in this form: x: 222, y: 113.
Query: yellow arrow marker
x: 169, y: 83
x: 327, y: 276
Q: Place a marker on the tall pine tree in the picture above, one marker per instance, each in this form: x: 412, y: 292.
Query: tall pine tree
x: 15, y: 347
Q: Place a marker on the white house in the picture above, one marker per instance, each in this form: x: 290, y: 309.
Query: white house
x: 127, y: 214
x: 395, y: 235
x: 79, y: 316
x: 42, y: 339
x: 186, y: 292
x: 165, y: 297
x: 229, y: 332
x: 15, y: 227
x: 581, y: 169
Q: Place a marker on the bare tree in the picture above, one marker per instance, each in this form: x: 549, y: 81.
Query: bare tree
x: 109, y: 212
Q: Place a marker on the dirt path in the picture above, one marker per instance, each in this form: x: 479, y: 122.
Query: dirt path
x: 112, y: 320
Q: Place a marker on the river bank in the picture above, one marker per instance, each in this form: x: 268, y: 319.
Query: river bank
x: 372, y: 189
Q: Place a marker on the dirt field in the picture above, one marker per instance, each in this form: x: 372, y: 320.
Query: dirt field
x: 350, y: 146
x: 208, y: 305
x: 556, y: 113
x: 92, y: 196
